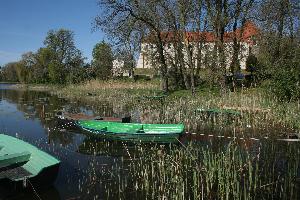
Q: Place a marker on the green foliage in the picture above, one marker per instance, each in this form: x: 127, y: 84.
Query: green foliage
x: 9, y: 73
x: 77, y: 75
x: 103, y: 60
x: 56, y: 73
x: 21, y: 72
x: 285, y: 82
x: 280, y: 67
x: 1, y: 74
x: 144, y: 71
x: 40, y: 72
x: 65, y: 57
x: 59, y: 62
x: 251, y: 63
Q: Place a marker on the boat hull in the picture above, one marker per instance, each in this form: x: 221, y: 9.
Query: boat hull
x: 44, y: 179
x: 161, y: 133
x: 39, y: 168
x: 160, y: 138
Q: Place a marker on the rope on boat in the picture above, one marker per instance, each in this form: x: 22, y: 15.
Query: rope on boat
x: 68, y: 124
x: 228, y: 137
x: 127, y: 151
x: 34, y: 191
x: 241, y: 138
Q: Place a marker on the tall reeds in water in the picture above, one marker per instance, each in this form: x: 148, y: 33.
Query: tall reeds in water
x: 259, y: 110
x: 231, y: 172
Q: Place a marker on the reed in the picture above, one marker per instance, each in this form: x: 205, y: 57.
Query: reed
x: 260, y: 112
x: 200, y: 172
x: 265, y: 169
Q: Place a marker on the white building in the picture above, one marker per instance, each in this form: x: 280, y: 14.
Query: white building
x: 245, y: 36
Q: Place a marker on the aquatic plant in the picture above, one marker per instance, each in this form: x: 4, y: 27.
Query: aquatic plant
x: 199, y: 172
x: 259, y: 112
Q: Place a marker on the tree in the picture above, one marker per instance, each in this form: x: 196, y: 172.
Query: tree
x: 40, y: 72
x: 103, y: 60
x: 122, y: 18
x: 124, y: 55
x: 9, y: 72
x: 25, y: 67
x: 279, y: 48
x: 65, y: 57
x: 1, y: 74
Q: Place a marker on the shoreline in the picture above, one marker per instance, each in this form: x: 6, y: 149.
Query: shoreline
x: 33, y: 87
x: 258, y: 109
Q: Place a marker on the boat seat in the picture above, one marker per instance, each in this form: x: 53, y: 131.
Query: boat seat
x: 98, y: 118
x: 15, y: 173
x: 103, y: 129
x: 141, y: 130
x: 131, y: 130
x: 14, y: 160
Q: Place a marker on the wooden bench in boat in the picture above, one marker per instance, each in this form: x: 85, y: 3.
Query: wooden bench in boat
x: 9, y: 161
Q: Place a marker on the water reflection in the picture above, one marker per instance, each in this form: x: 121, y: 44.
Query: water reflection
x: 100, y: 146
x: 50, y: 193
x: 30, y: 115
x: 96, y: 168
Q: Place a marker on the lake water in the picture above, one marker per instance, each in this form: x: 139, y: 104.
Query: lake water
x: 87, y: 165
x: 30, y: 116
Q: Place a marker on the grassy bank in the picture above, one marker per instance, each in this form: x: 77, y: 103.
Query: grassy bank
x: 259, y: 112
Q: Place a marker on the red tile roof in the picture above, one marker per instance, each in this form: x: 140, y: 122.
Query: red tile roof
x: 245, y: 34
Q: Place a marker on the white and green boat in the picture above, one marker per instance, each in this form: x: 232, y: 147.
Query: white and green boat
x: 21, y: 161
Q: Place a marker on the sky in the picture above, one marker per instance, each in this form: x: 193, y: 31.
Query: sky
x: 24, y: 25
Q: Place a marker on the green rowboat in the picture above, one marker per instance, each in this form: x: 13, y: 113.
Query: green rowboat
x: 133, y: 132
x: 20, y: 161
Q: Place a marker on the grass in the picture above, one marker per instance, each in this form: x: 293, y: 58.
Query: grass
x: 259, y: 111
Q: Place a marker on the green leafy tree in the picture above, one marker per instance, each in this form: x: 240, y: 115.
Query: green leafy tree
x: 9, y: 73
x: 124, y: 20
x: 25, y: 67
x: 279, y: 49
x: 285, y: 73
x: 251, y: 63
x: 21, y: 72
x: 56, y: 72
x: 103, y: 60
x: 65, y: 57
x: 40, y: 73
x: 1, y: 74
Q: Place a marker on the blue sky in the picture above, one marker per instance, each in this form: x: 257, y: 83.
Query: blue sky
x: 24, y: 25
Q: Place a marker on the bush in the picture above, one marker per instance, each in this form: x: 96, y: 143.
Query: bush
x: 142, y: 77
x: 280, y: 67
x: 285, y: 84
x: 251, y: 63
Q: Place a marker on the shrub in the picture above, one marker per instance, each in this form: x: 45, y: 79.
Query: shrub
x: 285, y: 83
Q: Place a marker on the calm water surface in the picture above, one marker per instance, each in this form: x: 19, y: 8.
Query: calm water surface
x: 30, y: 115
